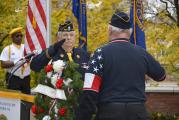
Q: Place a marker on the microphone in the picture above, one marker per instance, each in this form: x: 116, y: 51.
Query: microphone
x: 28, y: 56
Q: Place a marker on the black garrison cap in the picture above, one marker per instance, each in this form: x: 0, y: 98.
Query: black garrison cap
x: 120, y: 20
x: 66, y: 27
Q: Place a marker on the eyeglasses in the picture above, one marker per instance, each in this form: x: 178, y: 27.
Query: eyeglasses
x: 19, y: 35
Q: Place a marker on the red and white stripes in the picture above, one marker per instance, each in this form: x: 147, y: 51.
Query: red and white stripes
x: 92, y: 82
x: 36, y: 26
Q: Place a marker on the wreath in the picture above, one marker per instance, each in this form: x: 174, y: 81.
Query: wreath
x: 57, y: 91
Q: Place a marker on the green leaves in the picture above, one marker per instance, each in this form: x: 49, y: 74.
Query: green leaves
x: 163, y: 43
x: 44, y: 104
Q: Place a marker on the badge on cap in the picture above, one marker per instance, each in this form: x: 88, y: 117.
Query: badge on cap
x: 66, y: 27
x: 69, y: 28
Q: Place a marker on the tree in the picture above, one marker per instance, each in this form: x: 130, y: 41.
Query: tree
x: 175, y: 4
x: 164, y: 9
x: 162, y: 34
x: 12, y: 14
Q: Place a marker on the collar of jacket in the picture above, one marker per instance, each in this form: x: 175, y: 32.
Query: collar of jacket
x: 119, y: 40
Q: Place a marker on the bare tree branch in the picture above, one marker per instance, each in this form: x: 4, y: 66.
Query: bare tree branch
x: 152, y: 13
x: 171, y: 2
x: 166, y: 8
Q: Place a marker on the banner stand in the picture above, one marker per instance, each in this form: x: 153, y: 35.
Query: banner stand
x: 15, y: 105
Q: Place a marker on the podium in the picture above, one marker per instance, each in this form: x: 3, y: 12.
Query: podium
x: 15, y: 105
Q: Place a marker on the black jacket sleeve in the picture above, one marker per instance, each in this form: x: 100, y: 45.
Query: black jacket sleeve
x: 39, y: 61
x: 87, y: 106
x: 154, y: 69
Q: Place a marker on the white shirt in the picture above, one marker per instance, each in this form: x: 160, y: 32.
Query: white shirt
x: 12, y: 53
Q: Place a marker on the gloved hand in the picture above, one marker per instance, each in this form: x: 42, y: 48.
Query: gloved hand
x: 52, y: 50
x: 58, y: 44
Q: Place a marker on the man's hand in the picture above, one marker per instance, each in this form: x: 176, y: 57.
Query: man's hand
x: 58, y: 44
x: 7, y: 64
x: 52, y: 50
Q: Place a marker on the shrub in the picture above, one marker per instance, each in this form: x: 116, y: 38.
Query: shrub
x: 161, y: 116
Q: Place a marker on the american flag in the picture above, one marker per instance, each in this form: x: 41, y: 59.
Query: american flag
x: 93, y: 75
x: 36, y: 26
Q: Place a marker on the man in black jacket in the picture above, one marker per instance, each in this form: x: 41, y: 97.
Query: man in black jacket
x: 114, y: 83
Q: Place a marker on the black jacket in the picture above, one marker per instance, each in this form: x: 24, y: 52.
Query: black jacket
x: 79, y: 56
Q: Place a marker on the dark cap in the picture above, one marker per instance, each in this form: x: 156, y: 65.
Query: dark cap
x: 66, y: 27
x: 120, y: 20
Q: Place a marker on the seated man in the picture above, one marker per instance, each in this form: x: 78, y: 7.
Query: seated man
x: 63, y: 49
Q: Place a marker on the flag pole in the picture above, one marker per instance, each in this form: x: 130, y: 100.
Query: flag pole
x: 134, y: 22
x: 136, y: 18
x: 48, y: 35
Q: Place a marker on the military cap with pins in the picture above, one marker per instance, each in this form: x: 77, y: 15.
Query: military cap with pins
x: 66, y: 27
x: 120, y: 20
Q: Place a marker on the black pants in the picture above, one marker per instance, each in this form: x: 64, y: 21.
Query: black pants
x: 122, y: 111
x: 16, y: 83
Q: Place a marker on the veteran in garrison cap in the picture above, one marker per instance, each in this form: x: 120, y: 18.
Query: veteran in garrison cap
x: 114, y: 85
x: 63, y: 49
x: 10, y: 56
